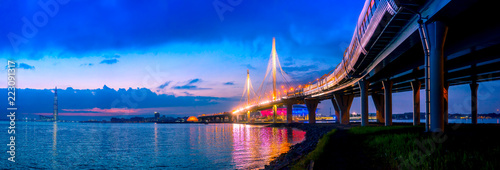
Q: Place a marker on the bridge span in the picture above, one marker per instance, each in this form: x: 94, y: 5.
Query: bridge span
x: 403, y: 45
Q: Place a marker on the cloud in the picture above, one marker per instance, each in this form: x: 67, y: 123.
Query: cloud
x: 303, y: 68
x: 22, y: 66
x: 308, y: 74
x: 164, y: 85
x: 109, y: 61
x: 249, y: 66
x: 111, y: 56
x: 194, y: 81
x: 190, y: 85
x: 229, y: 83
x: 86, y: 64
x: 187, y: 93
x: 26, y: 66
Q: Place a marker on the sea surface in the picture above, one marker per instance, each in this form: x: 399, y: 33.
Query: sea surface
x: 59, y: 145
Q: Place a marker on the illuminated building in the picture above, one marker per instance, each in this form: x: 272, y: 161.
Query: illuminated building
x: 157, y: 115
x: 298, y: 110
x: 192, y: 119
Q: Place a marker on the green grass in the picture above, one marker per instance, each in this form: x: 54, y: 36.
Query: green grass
x: 406, y: 147
x: 373, y: 129
x: 316, y: 153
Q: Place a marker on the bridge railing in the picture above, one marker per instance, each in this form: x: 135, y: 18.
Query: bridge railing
x: 371, y: 15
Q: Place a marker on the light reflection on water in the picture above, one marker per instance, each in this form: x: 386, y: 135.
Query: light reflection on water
x: 466, y: 121
x: 255, y: 146
x: 137, y: 146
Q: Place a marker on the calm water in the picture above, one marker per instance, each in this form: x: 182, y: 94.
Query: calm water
x: 138, y: 146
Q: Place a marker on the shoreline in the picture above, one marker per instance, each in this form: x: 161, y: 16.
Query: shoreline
x: 314, y: 132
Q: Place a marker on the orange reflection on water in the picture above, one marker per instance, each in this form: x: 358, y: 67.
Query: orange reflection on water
x: 258, y: 145
x: 54, y: 144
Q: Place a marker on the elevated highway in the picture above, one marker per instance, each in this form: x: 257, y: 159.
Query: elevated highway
x: 407, y: 45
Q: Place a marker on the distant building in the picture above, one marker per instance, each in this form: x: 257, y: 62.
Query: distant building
x: 157, y: 115
x: 55, y: 105
x: 46, y: 118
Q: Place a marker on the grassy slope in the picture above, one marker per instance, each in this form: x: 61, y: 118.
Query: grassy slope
x: 317, y: 152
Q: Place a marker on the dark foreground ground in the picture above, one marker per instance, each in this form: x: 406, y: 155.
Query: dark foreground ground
x: 402, y: 146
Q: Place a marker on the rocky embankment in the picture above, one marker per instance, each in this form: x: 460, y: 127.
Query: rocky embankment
x: 313, y: 133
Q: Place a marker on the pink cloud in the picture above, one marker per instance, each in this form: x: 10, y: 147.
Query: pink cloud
x: 99, y: 112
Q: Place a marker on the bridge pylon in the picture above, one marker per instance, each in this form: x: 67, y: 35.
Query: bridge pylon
x: 274, y: 55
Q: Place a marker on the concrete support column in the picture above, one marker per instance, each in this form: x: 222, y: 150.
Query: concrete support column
x: 473, y: 100
x: 337, y: 110
x: 275, y: 113
x: 388, y: 102
x: 378, y: 100
x: 344, y: 103
x: 248, y: 116
x: 312, y: 104
x: 437, y: 35
x: 415, y: 85
x: 363, y: 88
x: 289, y: 111
x: 445, y: 103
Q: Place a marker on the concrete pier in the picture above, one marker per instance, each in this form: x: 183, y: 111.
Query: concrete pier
x: 311, y: 105
x: 437, y: 34
x: 337, y: 110
x: 388, y: 102
x: 445, y: 104
x: 275, y: 113
x: 363, y: 87
x: 344, y: 103
x: 473, y: 101
x: 415, y: 85
x: 289, y: 111
x: 378, y: 100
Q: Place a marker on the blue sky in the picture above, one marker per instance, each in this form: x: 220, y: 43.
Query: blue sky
x: 191, y: 49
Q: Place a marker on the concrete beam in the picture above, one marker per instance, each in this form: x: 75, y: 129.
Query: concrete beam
x: 378, y: 100
x: 289, y: 111
x: 248, y: 116
x: 388, y: 102
x: 415, y: 85
x: 337, y: 110
x: 437, y: 34
x: 344, y: 103
x: 473, y: 100
x: 312, y: 104
x: 363, y: 87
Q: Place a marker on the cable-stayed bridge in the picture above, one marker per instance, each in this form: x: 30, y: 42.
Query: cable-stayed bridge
x: 397, y: 45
